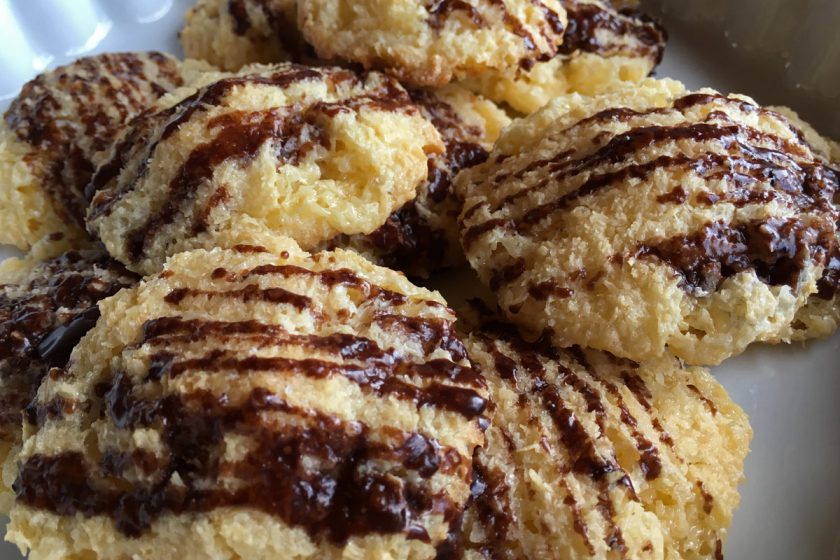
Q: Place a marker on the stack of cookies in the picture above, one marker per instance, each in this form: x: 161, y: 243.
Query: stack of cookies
x: 213, y: 349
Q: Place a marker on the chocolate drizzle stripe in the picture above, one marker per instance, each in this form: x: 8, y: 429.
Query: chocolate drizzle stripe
x: 621, y: 144
x: 758, y: 161
x: 240, y: 138
x: 42, y: 319
x: 473, y: 233
x: 510, y: 371
x: 250, y: 292
x: 704, y: 399
x: 431, y: 334
x: 583, y: 457
x: 381, y: 378
x: 440, y: 11
x: 578, y: 522
x: 345, y: 491
x: 636, y: 385
x: 238, y: 10
x: 650, y: 462
x: 507, y: 274
x: 98, y: 95
x: 491, y: 501
x: 330, y: 278
x: 169, y: 120
x: 708, y: 499
x: 169, y: 331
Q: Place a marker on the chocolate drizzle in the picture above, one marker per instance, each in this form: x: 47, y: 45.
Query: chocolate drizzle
x: 441, y: 10
x: 239, y: 138
x: 42, y: 320
x: 551, y: 30
x: 523, y: 368
x: 56, y: 346
x: 756, y: 168
x: 318, y: 472
x: 584, y: 417
x: 333, y: 477
x: 238, y: 10
x: 828, y: 285
x: 250, y: 292
x: 627, y: 32
x: 777, y: 250
x: 288, y: 133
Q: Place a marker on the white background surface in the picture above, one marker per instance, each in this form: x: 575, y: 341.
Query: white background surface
x: 791, y: 500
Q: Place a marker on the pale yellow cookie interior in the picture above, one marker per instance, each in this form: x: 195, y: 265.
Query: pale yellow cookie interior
x: 422, y: 236
x: 230, y: 34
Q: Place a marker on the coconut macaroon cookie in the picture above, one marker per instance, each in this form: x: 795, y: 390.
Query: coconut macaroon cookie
x: 285, y: 149
x: 602, y: 47
x: 232, y: 33
x: 422, y: 236
x: 48, y: 300
x: 255, y: 405
x: 55, y: 133
x: 600, y: 457
x: 651, y: 218
x: 430, y: 43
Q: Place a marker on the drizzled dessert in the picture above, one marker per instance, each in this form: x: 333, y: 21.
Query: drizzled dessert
x: 268, y: 390
x: 600, y: 457
x: 602, y: 47
x: 422, y: 236
x: 651, y: 219
x: 255, y: 404
x: 48, y: 301
x: 432, y: 43
x: 271, y: 150
x: 58, y: 130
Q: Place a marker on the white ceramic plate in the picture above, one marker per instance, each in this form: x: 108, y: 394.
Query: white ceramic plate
x: 790, y: 505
